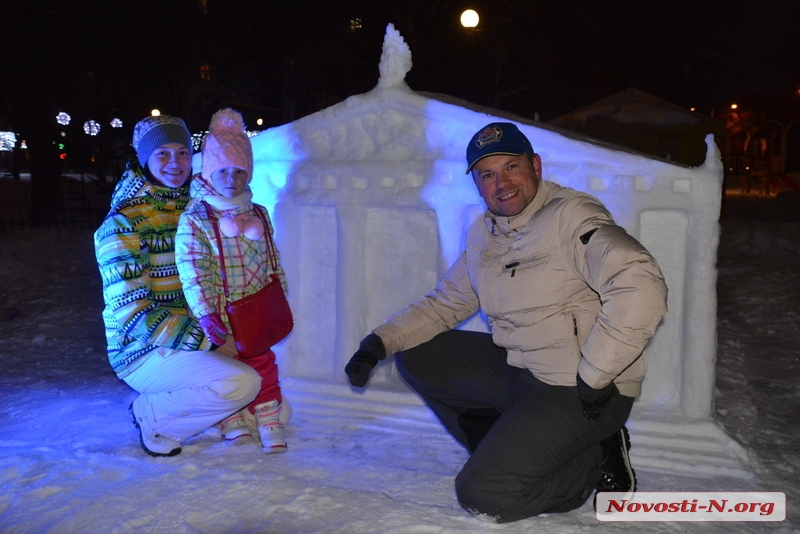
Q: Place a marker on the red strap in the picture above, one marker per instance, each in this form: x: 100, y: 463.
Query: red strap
x: 215, y: 224
x: 271, y: 248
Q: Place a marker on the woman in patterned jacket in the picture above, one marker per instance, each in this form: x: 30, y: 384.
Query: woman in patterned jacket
x: 154, y: 345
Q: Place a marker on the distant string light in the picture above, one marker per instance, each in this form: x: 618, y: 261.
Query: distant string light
x: 197, y: 140
x: 63, y: 119
x: 91, y: 127
x: 116, y: 123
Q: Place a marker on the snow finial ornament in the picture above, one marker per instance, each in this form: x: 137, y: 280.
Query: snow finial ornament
x: 395, y: 59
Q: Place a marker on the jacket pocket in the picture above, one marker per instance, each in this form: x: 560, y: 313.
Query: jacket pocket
x: 526, y: 263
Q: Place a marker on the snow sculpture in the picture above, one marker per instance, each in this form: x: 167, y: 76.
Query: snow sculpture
x: 374, y: 208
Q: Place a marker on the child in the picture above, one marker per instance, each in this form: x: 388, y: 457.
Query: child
x: 227, y: 169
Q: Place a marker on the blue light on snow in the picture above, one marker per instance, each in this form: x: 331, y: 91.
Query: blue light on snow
x: 449, y: 191
x: 275, y: 153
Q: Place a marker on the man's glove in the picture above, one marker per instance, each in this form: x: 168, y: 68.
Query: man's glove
x: 370, y: 351
x: 214, y: 328
x: 595, y: 400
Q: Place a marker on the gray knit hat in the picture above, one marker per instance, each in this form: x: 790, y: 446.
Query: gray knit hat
x: 153, y: 132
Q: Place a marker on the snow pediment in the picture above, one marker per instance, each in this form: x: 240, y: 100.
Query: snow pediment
x: 398, y: 124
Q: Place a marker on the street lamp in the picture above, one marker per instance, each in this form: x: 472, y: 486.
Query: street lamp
x: 469, y: 18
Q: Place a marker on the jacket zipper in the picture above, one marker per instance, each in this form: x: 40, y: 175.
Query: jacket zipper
x: 575, y: 332
x: 513, y: 266
x: 519, y: 263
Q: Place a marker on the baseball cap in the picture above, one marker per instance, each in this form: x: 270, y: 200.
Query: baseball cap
x: 496, y: 138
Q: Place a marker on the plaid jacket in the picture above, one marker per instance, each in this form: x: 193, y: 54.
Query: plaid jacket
x: 145, y: 307
x: 197, y: 254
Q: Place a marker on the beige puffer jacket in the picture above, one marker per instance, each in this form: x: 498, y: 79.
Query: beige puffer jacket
x: 564, y: 288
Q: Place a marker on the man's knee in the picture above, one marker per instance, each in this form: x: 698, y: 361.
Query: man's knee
x: 411, y: 367
x: 426, y: 357
x: 478, y: 495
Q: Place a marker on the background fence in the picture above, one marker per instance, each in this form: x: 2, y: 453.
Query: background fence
x: 66, y: 218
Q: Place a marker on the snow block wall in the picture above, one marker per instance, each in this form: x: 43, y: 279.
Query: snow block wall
x: 370, y: 203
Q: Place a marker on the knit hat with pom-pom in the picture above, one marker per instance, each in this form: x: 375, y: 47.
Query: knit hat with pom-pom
x: 226, y: 144
x: 153, y: 132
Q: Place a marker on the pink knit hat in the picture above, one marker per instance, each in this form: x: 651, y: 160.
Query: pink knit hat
x: 226, y: 144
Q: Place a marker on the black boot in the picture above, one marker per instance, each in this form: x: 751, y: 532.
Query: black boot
x: 618, y: 474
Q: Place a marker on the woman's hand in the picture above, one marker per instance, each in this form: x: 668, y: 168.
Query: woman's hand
x: 228, y: 348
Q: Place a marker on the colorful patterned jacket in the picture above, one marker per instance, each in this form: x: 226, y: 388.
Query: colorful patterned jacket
x: 145, y: 307
x: 197, y: 255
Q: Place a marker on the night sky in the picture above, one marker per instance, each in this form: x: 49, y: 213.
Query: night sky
x: 280, y: 60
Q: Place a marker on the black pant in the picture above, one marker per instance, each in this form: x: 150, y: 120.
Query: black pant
x: 532, y: 449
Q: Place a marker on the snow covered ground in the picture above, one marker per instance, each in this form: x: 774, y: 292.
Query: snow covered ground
x: 70, y: 461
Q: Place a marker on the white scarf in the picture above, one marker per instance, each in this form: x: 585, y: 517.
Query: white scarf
x: 232, y: 224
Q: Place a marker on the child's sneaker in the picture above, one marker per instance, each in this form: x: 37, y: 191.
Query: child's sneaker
x: 152, y: 442
x: 270, y: 429
x: 286, y: 411
x: 234, y: 428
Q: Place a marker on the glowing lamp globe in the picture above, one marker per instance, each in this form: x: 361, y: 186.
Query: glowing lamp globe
x: 469, y: 18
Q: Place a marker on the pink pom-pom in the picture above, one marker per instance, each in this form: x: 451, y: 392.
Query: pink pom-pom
x: 253, y: 229
x: 227, y: 119
x: 230, y: 226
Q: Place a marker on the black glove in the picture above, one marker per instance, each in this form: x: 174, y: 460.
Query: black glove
x: 364, y: 360
x: 595, y: 400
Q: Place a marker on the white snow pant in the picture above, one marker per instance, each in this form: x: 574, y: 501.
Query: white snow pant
x: 183, y: 393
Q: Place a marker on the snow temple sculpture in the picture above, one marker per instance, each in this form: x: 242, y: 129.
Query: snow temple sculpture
x: 370, y: 201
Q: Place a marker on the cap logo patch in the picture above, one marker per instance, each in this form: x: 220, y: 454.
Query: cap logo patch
x: 490, y: 135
